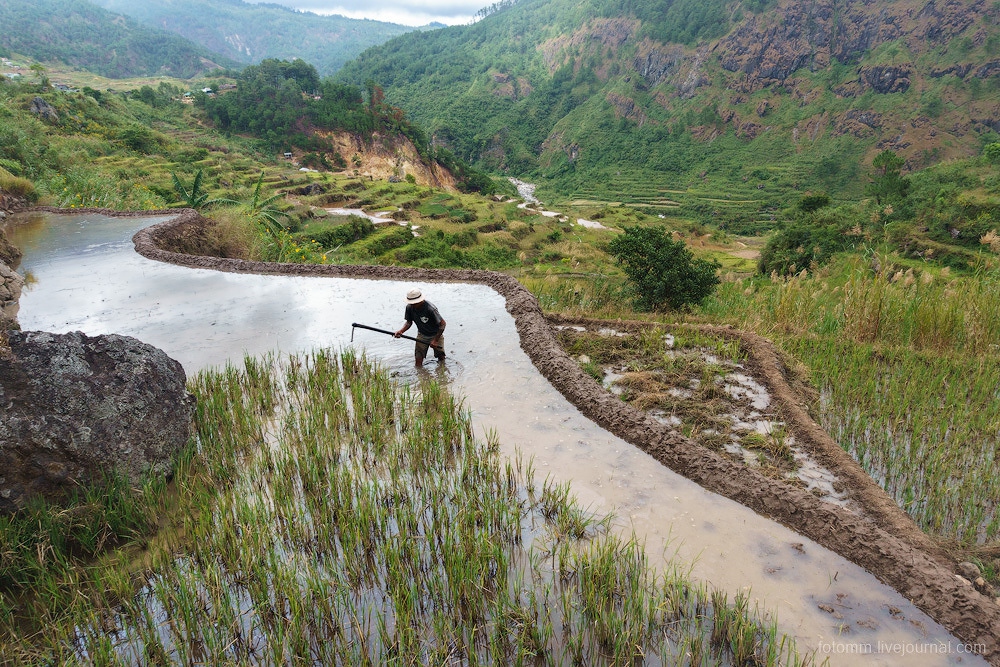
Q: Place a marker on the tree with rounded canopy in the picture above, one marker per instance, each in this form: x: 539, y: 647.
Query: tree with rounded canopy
x: 663, y: 272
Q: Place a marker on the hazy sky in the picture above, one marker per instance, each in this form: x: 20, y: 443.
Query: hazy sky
x: 406, y: 12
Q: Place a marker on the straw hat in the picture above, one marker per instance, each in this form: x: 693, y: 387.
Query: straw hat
x: 414, y: 296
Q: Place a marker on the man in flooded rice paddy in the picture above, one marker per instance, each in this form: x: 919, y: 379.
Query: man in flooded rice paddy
x: 430, y: 326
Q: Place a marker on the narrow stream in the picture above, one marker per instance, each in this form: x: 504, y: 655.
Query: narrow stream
x: 83, y: 274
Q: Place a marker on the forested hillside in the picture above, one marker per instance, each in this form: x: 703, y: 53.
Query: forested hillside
x: 249, y: 32
x: 719, y: 109
x: 286, y: 105
x: 83, y: 35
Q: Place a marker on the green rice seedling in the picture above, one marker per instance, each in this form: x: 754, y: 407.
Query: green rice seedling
x: 903, y: 358
x: 316, y: 549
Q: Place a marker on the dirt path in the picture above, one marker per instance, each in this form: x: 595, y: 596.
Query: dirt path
x: 878, y: 536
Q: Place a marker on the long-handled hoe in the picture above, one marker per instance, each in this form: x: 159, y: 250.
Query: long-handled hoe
x: 391, y: 333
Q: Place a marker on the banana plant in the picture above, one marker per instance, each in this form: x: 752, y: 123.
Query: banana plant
x: 195, y: 198
x: 262, y: 211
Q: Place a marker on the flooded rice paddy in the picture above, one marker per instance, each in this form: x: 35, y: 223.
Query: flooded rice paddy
x: 84, y: 275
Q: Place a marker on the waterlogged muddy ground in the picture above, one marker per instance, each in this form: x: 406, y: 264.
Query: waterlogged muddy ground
x: 832, y: 602
x: 699, y: 384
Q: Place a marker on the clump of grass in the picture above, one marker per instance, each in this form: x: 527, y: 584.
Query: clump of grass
x: 44, y: 544
x: 17, y: 185
x: 232, y: 235
x: 328, y: 515
x: 773, y: 444
x: 593, y: 370
x: 596, y: 296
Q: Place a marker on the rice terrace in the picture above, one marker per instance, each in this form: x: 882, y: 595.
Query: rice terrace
x: 722, y: 295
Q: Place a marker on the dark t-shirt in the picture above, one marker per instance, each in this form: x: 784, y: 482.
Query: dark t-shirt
x: 425, y: 316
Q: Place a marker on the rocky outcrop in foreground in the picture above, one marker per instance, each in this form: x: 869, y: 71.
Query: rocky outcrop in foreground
x: 10, y: 293
x: 74, y: 406
x: 9, y: 254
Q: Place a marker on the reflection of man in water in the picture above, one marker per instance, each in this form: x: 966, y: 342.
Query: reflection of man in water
x: 430, y: 325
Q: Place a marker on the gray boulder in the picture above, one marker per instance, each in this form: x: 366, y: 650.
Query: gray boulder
x: 43, y: 110
x: 74, y: 406
x: 9, y: 253
x: 10, y: 294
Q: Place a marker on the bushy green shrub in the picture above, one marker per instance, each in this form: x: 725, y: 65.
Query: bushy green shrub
x: 809, y: 241
x: 431, y: 251
x: 490, y: 256
x: 464, y: 239
x: 812, y: 203
x: 141, y: 139
x: 992, y: 153
x: 384, y: 241
x: 663, y: 273
x: 355, y: 229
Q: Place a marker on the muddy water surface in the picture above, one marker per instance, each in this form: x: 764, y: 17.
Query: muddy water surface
x: 84, y: 275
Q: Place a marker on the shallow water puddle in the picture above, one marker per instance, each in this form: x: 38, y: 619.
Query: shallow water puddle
x: 88, y: 278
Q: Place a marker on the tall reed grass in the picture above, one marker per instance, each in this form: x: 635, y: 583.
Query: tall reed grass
x: 907, y: 362
x: 588, y: 296
x: 892, y: 306
x: 330, y: 516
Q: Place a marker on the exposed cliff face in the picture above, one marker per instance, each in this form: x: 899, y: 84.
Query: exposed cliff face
x: 598, y: 38
x: 823, y: 52
x: 657, y: 63
x: 386, y: 157
x: 773, y: 46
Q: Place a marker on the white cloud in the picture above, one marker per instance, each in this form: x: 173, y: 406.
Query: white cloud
x: 405, y: 12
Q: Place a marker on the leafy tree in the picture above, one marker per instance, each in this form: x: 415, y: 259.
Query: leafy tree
x: 809, y: 241
x: 888, y: 185
x: 992, y: 153
x: 663, y: 272
x: 147, y: 94
x: 811, y: 203
x: 140, y: 138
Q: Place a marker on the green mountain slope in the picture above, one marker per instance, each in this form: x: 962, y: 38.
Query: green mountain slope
x: 250, y: 33
x: 83, y: 35
x: 724, y: 108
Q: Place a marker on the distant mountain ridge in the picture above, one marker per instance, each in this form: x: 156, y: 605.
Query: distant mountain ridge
x: 84, y: 35
x: 614, y: 98
x: 249, y: 33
